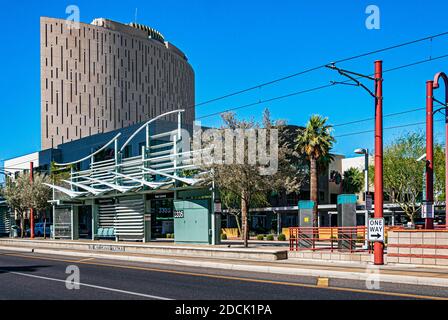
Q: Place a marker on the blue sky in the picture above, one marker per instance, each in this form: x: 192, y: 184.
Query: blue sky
x: 234, y: 44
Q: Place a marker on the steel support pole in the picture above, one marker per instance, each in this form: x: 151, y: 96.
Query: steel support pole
x: 429, y: 222
x: 446, y: 153
x: 436, y: 85
x: 378, y: 246
x: 446, y: 162
x: 31, y: 209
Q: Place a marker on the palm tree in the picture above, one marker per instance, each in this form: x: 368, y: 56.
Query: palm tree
x: 353, y: 181
x: 315, y: 141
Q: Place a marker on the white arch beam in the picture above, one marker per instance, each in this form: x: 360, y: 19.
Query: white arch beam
x: 148, y: 123
x: 89, y: 156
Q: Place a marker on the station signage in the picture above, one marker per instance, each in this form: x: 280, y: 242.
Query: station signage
x: 376, y: 230
x: 428, y: 210
x: 218, y: 207
x: 368, y: 202
x: 179, y: 214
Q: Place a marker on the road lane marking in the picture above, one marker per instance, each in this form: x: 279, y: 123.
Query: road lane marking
x: 91, y: 286
x: 374, y: 292
x: 83, y: 260
x: 322, y: 282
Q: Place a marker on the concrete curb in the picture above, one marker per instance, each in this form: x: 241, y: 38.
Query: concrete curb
x: 402, y: 279
x: 125, y: 248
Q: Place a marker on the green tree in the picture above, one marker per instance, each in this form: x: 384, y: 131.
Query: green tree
x: 232, y: 203
x: 439, y: 172
x: 241, y: 185
x: 403, y: 174
x: 59, y: 173
x: 352, y: 181
x: 21, y: 194
x: 315, y: 141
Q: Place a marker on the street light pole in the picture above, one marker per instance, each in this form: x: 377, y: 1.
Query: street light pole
x: 365, y: 152
x: 31, y: 209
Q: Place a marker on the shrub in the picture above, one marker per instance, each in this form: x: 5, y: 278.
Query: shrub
x: 223, y: 236
x: 168, y: 235
x: 270, y: 237
x: 260, y: 237
x: 281, y: 237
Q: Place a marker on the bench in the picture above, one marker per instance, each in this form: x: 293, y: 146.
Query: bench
x: 105, y: 233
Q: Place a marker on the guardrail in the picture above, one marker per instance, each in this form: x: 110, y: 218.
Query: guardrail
x: 349, y: 239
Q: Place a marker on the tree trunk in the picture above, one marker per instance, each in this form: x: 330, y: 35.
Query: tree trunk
x: 244, y: 220
x: 314, y: 189
x: 238, y: 224
x: 22, y: 226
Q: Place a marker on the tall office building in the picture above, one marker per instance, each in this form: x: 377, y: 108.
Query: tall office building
x: 105, y: 76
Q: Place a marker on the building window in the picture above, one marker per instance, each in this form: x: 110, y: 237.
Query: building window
x: 127, y: 152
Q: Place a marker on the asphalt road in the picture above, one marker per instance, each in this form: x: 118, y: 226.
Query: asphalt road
x: 37, y: 277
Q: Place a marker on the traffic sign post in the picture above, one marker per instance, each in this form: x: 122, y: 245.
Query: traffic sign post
x: 369, y: 208
x: 376, y: 230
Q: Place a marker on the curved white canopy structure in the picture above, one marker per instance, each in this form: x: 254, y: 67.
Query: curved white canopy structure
x: 188, y: 181
x: 93, y: 191
x: 70, y: 193
x: 111, y: 185
x: 152, y: 185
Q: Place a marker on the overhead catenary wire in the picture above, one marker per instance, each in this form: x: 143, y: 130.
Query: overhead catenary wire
x: 316, y: 88
x: 373, y: 118
x: 387, y: 128
x: 303, y: 72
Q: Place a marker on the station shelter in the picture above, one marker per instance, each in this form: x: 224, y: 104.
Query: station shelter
x: 113, y: 195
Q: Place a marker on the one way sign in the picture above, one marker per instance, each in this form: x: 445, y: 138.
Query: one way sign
x: 376, y: 230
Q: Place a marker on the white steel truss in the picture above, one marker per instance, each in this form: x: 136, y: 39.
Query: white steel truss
x: 160, y: 165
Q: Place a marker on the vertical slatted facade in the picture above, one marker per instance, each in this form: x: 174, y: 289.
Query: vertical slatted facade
x: 105, y: 77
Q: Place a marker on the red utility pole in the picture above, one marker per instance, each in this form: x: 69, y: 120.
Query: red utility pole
x: 31, y: 209
x: 429, y: 222
x: 378, y: 246
x: 378, y: 95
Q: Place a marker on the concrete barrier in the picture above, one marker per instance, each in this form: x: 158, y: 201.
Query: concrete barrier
x: 418, y: 247
x: 255, y: 254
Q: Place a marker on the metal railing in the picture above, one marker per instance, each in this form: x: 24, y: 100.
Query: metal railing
x: 348, y: 239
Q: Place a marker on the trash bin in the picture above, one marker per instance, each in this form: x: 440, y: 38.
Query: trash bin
x: 14, y: 231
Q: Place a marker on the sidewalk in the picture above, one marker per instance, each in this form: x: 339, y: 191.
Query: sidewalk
x: 437, y: 276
